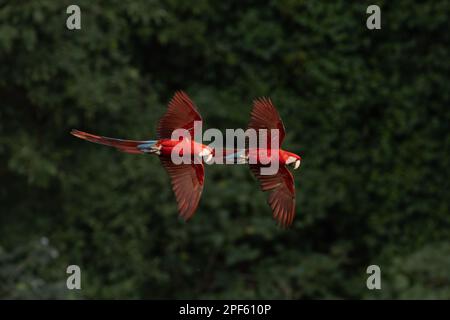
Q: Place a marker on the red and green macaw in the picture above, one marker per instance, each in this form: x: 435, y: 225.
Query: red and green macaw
x: 280, y: 185
x: 187, y: 179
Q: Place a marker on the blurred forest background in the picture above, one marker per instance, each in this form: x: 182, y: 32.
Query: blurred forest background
x: 367, y: 110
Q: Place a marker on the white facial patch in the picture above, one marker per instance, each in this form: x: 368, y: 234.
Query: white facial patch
x: 204, y: 152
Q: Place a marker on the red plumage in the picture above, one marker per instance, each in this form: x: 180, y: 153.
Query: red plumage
x: 280, y: 185
x: 186, y: 179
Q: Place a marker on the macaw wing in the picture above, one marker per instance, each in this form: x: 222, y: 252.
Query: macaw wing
x: 265, y: 116
x: 282, y: 193
x: 181, y: 114
x: 187, y: 184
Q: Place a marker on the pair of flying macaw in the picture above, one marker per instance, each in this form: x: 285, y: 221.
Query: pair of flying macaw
x: 188, y: 179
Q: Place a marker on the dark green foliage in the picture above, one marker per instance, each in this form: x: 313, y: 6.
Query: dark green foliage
x: 367, y: 110
x: 24, y: 272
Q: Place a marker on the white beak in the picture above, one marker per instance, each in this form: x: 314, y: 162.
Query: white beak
x: 290, y: 160
x: 297, y: 164
x: 209, y: 158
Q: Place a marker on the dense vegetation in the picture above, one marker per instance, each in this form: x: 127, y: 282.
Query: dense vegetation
x: 367, y: 110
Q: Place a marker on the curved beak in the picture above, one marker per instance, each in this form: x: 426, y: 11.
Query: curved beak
x: 297, y: 164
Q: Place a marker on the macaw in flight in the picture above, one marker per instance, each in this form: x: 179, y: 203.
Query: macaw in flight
x: 280, y: 184
x: 187, y: 179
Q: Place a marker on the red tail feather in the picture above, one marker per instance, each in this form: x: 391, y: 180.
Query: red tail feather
x: 128, y: 146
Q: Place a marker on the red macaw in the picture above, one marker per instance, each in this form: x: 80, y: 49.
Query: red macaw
x: 281, y: 184
x: 186, y: 179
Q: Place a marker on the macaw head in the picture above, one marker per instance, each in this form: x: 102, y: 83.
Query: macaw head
x: 293, y: 160
x: 206, y: 152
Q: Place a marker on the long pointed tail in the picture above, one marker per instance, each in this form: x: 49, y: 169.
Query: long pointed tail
x: 128, y: 146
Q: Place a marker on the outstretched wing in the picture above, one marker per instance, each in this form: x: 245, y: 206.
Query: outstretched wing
x: 180, y: 114
x: 187, y: 184
x: 282, y: 193
x: 265, y: 116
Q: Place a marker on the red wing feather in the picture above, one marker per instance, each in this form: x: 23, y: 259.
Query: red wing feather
x: 128, y: 146
x: 187, y: 184
x: 265, y: 116
x: 180, y: 114
x: 282, y: 193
